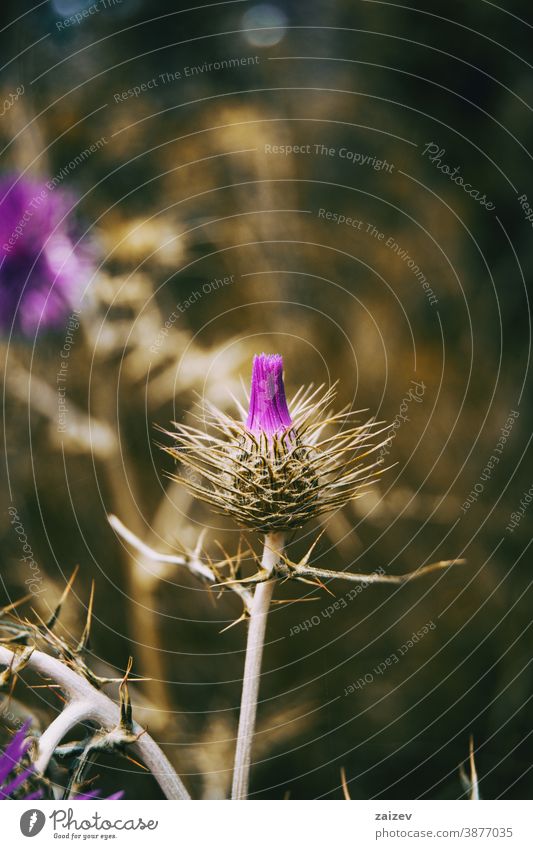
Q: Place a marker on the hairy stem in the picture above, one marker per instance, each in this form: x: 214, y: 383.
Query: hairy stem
x: 274, y: 543
x: 87, y: 703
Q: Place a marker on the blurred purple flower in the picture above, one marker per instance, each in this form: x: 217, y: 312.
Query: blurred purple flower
x: 10, y: 760
x: 268, y: 411
x: 40, y: 269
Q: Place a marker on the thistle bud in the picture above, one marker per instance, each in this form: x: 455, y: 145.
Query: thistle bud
x: 277, y: 469
x: 268, y: 412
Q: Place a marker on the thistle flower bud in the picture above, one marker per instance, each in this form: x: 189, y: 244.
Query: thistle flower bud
x: 268, y: 412
x: 277, y: 469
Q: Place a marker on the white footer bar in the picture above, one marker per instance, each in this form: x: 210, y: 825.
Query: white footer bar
x: 269, y: 825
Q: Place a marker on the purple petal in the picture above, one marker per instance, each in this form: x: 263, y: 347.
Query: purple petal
x: 37, y: 794
x: 268, y: 411
x: 14, y: 752
x: 94, y: 794
x: 8, y: 789
x: 90, y: 794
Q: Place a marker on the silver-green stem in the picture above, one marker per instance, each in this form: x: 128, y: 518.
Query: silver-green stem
x: 274, y: 543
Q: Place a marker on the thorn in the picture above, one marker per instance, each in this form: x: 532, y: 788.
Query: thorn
x: 126, y: 720
x: 242, y: 618
x: 228, y: 560
x: 258, y: 578
x: 11, y: 691
x: 344, y: 783
x: 323, y: 586
x: 15, y: 604
x: 305, y: 559
x: 16, y: 665
x: 84, y: 640
x: 255, y: 557
x: 314, y: 583
x: 295, y: 600
x: 199, y: 544
x: 211, y: 595
x: 55, y: 615
x: 58, y: 694
x: 211, y: 565
x: 474, y: 795
x: 44, y: 627
x: 133, y: 761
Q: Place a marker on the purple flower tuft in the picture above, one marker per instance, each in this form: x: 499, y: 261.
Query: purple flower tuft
x: 268, y: 411
x: 40, y: 269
